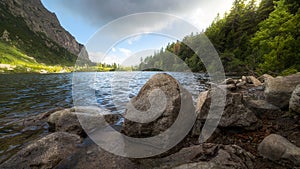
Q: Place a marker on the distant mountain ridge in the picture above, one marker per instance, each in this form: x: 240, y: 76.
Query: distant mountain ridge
x: 29, y: 26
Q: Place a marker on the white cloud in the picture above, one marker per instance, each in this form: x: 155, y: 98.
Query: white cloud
x: 126, y: 52
x: 113, y: 49
x: 130, y: 41
x: 110, y: 58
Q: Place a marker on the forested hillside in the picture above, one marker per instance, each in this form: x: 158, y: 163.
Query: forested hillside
x: 251, y: 38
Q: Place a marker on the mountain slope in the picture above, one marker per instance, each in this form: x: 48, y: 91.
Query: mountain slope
x: 34, y: 31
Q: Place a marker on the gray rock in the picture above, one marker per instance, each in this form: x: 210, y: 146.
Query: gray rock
x: 65, y: 120
x: 264, y: 77
x: 174, y: 96
x: 254, y: 81
x: 295, y: 100
x: 235, y: 114
x: 263, y: 109
x: 244, y: 78
x: 205, y: 155
x: 279, y: 149
x: 44, y: 153
x: 78, y: 120
x: 240, y: 84
x: 92, y: 156
x: 200, y: 102
x: 151, y: 115
x: 278, y: 90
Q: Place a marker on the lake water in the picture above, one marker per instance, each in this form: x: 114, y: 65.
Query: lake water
x: 23, y: 95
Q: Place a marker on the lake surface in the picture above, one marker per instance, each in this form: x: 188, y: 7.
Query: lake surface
x: 24, y: 95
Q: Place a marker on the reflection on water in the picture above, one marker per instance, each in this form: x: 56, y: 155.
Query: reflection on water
x: 23, y: 95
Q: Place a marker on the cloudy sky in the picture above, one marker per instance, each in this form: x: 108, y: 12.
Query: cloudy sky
x: 87, y: 20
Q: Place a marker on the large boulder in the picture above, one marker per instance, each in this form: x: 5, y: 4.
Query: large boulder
x: 235, y: 114
x: 295, y: 100
x: 78, y: 120
x: 278, y: 90
x: 277, y: 148
x: 44, y: 153
x: 156, y: 108
x: 176, y: 98
x: 207, y: 155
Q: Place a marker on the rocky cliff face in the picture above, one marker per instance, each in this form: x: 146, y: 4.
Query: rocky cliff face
x: 40, y: 20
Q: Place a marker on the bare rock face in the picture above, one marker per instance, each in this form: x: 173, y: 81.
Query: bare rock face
x: 295, y: 100
x: 235, y: 114
x: 278, y: 90
x: 44, y: 153
x: 168, y: 102
x: 40, y: 20
x: 277, y: 148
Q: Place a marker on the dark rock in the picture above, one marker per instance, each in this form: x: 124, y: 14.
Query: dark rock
x: 228, y: 81
x: 44, y: 153
x: 231, y: 87
x: 278, y: 90
x: 279, y: 149
x: 295, y: 100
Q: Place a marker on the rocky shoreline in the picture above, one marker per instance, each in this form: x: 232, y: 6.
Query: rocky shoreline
x: 259, y: 128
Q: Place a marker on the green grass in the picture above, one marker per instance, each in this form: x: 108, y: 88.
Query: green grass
x: 24, y: 63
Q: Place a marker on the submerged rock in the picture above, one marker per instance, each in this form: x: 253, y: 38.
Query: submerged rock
x: 278, y: 90
x: 44, y: 153
x: 295, y: 100
x: 279, y: 149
